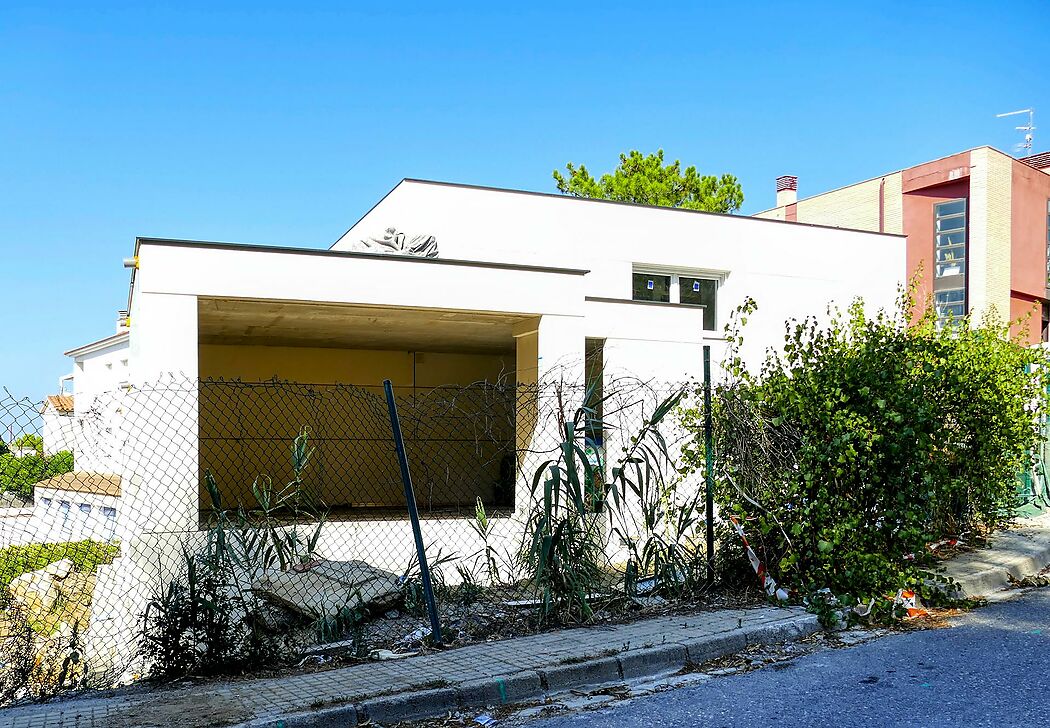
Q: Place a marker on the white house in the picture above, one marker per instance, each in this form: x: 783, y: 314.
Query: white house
x: 77, y: 507
x: 57, y: 421
x: 483, y: 284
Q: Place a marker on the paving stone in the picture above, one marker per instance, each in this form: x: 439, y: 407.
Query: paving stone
x: 391, y: 691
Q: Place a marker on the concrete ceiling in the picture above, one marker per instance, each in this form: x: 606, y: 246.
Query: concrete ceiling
x: 334, y: 326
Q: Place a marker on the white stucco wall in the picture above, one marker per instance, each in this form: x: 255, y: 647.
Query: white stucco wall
x: 791, y: 270
x: 99, y: 371
x: 58, y: 430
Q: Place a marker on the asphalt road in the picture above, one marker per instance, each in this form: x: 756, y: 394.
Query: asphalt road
x: 992, y: 668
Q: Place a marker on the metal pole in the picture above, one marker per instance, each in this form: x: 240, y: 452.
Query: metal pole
x: 709, y: 466
x: 413, y: 514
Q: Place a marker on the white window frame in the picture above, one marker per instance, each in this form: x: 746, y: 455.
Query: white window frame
x: 676, y: 273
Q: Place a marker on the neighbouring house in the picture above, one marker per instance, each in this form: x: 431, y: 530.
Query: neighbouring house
x: 78, y: 507
x: 977, y: 223
x: 438, y: 285
x: 57, y: 424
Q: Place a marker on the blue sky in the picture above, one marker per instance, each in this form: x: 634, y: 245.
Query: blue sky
x: 282, y: 123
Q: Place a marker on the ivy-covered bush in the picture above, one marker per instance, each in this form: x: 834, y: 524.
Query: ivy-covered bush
x: 870, y: 437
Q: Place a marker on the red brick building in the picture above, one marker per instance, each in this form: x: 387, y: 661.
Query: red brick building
x: 978, y: 227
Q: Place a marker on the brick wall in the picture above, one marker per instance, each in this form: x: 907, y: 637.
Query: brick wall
x: 989, y: 234
x: 856, y: 206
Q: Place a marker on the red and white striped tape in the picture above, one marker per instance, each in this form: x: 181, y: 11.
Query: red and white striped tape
x: 768, y: 582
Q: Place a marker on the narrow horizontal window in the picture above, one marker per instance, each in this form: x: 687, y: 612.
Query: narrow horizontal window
x: 651, y: 287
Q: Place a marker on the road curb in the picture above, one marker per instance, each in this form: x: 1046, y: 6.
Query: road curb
x: 531, y: 685
x: 1013, y: 554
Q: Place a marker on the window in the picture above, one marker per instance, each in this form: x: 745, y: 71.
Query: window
x: 686, y: 289
x: 949, y: 259
x: 651, y: 287
x: 46, y: 502
x: 85, y: 509
x: 109, y: 512
x: 1047, y: 244
x: 700, y: 292
x: 950, y: 238
x: 949, y: 303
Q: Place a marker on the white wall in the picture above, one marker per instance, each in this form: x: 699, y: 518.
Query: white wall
x: 791, y: 270
x: 86, y: 518
x: 57, y: 429
x: 99, y: 372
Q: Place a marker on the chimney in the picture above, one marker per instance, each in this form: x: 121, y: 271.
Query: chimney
x: 787, y: 190
x: 122, y: 321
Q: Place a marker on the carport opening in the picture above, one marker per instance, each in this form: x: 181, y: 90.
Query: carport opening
x: 269, y: 369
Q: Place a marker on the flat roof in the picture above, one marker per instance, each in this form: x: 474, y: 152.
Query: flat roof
x: 97, y: 345
x: 887, y: 174
x: 560, y: 196
x: 289, y: 250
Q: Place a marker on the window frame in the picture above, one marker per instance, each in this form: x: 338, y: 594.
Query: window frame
x: 675, y: 291
x: 938, y: 231
x: 947, y: 225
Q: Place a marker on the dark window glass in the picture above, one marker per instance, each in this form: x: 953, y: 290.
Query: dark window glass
x: 109, y: 512
x: 651, y: 287
x: 701, y: 292
x: 954, y: 207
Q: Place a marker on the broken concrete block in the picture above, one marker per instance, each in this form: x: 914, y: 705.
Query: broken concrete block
x: 60, y: 569
x: 324, y: 588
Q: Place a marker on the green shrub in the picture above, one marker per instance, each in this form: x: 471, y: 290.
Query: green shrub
x: 18, y: 475
x: 85, y: 555
x: 30, y: 441
x: 868, y: 438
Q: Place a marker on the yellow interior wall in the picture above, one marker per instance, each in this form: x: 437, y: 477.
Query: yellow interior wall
x: 455, y: 454
x: 527, y: 396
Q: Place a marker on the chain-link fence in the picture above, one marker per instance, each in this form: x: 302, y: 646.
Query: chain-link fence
x: 214, y: 526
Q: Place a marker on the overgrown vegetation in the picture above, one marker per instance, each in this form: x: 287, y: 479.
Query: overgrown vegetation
x: 85, y: 555
x: 19, y: 474
x: 868, y: 438
x: 576, y: 516
x: 208, y: 619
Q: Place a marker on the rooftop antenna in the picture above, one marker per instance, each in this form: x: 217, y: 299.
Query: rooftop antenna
x: 1023, y: 148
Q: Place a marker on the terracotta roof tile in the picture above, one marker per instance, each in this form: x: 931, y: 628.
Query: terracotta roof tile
x: 89, y: 483
x: 62, y: 403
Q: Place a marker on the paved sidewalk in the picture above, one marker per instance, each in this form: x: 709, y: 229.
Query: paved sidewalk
x: 1018, y: 552
x: 469, y: 677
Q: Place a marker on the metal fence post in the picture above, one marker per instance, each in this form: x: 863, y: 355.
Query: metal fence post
x: 413, y: 513
x: 709, y: 466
